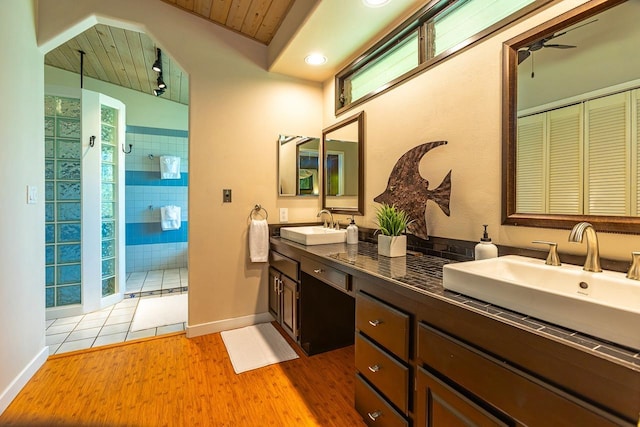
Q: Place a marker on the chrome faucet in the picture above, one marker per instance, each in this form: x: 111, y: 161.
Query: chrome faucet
x: 592, y: 262
x: 324, y: 211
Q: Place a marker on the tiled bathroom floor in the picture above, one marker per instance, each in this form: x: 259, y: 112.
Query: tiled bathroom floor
x: 111, y: 325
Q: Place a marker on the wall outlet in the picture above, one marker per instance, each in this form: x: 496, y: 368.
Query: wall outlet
x: 284, y: 215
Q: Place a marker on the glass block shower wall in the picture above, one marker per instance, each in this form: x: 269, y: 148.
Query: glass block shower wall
x: 63, y: 200
x: 108, y: 183
x: 147, y: 246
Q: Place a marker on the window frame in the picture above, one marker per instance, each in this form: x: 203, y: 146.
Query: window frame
x: 418, y: 21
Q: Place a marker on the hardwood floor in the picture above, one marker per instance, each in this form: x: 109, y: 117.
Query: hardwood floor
x: 176, y: 381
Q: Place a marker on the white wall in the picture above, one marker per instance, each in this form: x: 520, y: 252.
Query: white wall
x: 142, y: 109
x: 22, y: 225
x: 237, y: 110
x: 458, y: 101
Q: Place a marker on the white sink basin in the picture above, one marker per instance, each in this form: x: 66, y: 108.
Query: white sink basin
x: 605, y: 305
x: 313, y: 235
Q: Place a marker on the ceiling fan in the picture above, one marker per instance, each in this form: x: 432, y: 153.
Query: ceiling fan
x: 525, y: 52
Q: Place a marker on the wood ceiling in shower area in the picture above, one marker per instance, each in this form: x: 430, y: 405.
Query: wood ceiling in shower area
x: 123, y: 58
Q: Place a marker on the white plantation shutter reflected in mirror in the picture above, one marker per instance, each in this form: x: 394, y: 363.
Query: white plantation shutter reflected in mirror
x: 635, y: 142
x: 607, y: 138
x: 582, y: 159
x: 565, y: 166
x: 530, y: 170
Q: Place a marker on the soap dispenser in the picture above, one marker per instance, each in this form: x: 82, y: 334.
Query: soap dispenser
x: 485, y: 249
x: 352, y: 232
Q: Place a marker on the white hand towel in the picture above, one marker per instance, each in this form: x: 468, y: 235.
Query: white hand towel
x: 170, y: 217
x: 259, y: 240
x: 169, y: 167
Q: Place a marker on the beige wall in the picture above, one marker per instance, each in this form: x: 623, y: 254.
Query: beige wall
x: 458, y: 101
x: 22, y: 225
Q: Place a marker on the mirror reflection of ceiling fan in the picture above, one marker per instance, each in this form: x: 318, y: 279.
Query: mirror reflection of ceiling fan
x: 525, y: 52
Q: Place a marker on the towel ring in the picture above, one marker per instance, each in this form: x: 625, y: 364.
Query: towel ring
x: 257, y: 210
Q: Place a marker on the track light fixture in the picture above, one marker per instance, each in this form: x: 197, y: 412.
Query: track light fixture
x: 157, y: 66
x: 158, y: 92
x: 161, y: 83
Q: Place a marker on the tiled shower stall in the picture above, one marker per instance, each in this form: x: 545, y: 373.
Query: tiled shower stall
x: 97, y: 198
x: 148, y: 246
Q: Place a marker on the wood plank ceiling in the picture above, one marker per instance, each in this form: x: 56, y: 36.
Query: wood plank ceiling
x: 258, y: 19
x: 124, y: 57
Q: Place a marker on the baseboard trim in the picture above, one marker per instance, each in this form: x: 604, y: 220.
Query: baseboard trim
x: 227, y: 324
x: 21, y: 380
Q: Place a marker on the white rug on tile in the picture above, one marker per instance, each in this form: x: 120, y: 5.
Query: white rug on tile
x: 159, y: 311
x: 256, y: 346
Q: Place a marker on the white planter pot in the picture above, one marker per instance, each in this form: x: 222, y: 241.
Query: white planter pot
x: 392, y: 246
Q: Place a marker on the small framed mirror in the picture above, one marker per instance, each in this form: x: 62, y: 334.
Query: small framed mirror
x: 298, y: 166
x: 343, y: 166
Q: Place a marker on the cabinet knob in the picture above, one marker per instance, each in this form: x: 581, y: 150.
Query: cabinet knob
x: 318, y: 271
x: 374, y: 368
x: 374, y: 415
x: 375, y: 323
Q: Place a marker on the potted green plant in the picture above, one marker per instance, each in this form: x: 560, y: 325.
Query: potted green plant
x: 392, y: 223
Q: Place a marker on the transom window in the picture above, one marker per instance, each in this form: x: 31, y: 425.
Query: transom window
x: 437, y: 31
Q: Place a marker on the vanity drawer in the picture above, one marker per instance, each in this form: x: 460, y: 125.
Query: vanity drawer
x: 384, y: 324
x: 383, y: 371
x: 336, y: 278
x: 510, y: 391
x: 373, y: 408
x: 284, y: 264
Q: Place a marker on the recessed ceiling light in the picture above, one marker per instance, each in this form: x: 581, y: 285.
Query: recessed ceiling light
x: 375, y: 3
x: 315, y: 59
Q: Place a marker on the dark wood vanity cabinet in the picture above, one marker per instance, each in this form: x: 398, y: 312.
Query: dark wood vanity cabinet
x: 457, y: 383
x: 383, y: 373
x: 312, y: 301
x: 445, y: 365
x: 427, y: 359
x: 284, y: 292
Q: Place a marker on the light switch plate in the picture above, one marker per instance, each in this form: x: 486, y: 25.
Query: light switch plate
x: 226, y: 195
x: 32, y: 194
x: 284, y: 215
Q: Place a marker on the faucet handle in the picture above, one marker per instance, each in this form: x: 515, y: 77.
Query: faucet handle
x: 552, y: 258
x: 634, y: 270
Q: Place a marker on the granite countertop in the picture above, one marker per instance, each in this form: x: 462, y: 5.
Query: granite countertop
x: 423, y: 273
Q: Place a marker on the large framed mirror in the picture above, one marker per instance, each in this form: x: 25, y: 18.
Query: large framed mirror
x: 571, y: 97
x: 298, y: 166
x: 343, y: 166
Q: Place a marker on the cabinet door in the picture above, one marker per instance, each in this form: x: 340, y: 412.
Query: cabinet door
x: 274, y: 294
x: 440, y: 405
x: 289, y: 307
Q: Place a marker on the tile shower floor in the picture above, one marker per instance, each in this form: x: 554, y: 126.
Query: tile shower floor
x: 112, y: 324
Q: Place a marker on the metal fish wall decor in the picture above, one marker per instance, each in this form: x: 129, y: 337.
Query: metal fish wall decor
x: 409, y: 191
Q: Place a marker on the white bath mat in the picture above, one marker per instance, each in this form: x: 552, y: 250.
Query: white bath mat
x: 256, y: 346
x: 159, y: 311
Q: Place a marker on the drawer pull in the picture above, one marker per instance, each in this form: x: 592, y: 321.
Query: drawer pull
x: 374, y: 415
x: 318, y: 271
x: 375, y: 323
x: 374, y: 368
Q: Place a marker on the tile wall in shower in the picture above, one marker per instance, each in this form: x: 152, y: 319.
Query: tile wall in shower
x: 148, y: 247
